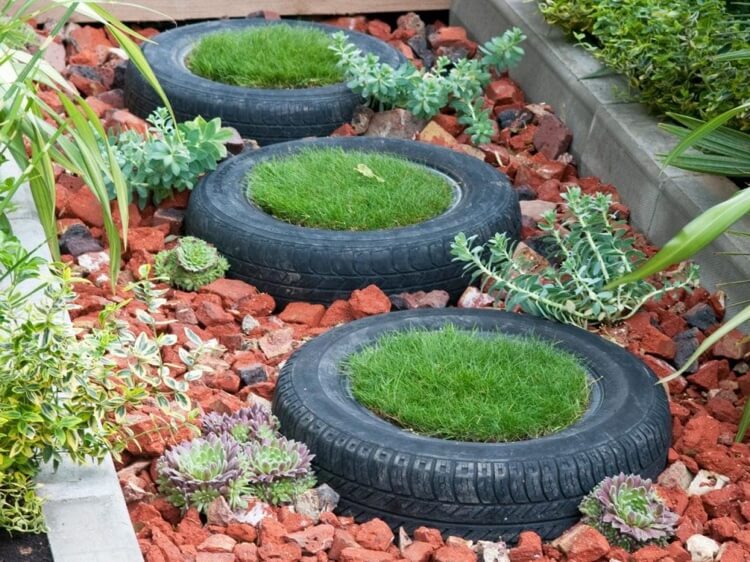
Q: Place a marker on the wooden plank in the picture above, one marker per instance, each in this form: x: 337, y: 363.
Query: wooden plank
x: 160, y: 10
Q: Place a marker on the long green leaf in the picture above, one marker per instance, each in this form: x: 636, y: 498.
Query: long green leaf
x: 708, y: 343
x: 83, y: 135
x: 42, y: 186
x: 695, y: 236
x: 114, y: 172
x: 740, y: 54
x: 141, y: 64
x: 722, y: 141
x: 744, y: 423
x: 704, y: 130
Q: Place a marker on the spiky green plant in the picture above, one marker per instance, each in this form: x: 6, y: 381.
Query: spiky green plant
x: 195, y: 473
x: 627, y: 510
x: 192, y: 264
x: 592, y: 254
x: 278, y: 471
x: 255, y: 423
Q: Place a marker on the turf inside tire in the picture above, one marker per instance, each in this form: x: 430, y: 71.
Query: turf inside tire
x: 266, y: 115
x: 475, y: 490
x: 295, y: 263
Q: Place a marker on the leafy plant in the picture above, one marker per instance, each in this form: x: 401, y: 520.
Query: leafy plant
x: 458, y: 85
x: 594, y: 252
x: 20, y: 506
x: 278, y: 471
x: 191, y: 265
x: 194, y: 473
x: 170, y: 158
x: 667, y: 51
x: 36, y: 137
x: 628, y: 512
x: 66, y: 392
x: 246, y: 425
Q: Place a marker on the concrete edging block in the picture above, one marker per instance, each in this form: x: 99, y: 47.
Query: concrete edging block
x: 613, y: 138
x: 84, y: 507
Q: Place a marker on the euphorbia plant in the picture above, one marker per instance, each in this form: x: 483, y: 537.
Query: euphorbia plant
x: 458, y: 84
x: 592, y: 252
x: 169, y: 158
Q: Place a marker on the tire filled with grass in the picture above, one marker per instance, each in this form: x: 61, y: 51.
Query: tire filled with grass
x: 480, y: 423
x: 317, y: 219
x: 273, y: 81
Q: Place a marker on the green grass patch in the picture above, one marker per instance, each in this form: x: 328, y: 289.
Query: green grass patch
x: 461, y: 385
x: 339, y: 189
x: 273, y: 56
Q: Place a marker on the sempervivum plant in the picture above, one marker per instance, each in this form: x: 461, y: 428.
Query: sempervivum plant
x: 194, y: 473
x: 627, y: 510
x: 279, y: 470
x: 192, y: 264
x: 255, y: 423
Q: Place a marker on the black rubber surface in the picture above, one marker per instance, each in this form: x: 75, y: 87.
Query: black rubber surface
x: 476, y: 490
x: 295, y: 263
x: 266, y: 115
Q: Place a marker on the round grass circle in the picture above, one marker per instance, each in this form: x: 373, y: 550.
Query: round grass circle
x: 338, y: 189
x: 465, y: 386
x: 272, y: 56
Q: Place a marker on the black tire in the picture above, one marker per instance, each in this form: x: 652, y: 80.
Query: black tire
x: 266, y: 115
x: 475, y: 490
x: 295, y: 263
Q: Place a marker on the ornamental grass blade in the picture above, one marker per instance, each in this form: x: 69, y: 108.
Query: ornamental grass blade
x: 42, y: 187
x: 114, y: 172
x: 695, y: 236
x: 744, y: 423
x: 92, y: 166
x: 703, y: 131
x: 740, y: 54
x: 707, y: 344
x: 729, y: 150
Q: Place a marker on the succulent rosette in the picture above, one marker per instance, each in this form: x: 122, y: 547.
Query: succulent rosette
x: 192, y: 264
x: 255, y: 423
x: 279, y: 470
x: 194, y: 473
x: 628, y: 511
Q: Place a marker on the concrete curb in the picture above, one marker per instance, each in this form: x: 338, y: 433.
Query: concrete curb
x: 84, y: 507
x: 613, y: 139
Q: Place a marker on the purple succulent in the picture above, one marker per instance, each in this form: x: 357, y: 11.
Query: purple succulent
x: 194, y: 473
x: 628, y: 511
x: 255, y: 423
x: 280, y: 458
x: 278, y: 470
